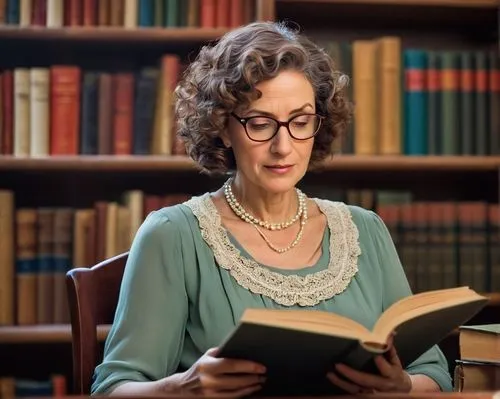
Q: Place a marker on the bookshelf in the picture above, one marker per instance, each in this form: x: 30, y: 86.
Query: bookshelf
x: 42, y: 334
x: 396, y: 163
x: 81, y: 180
x: 111, y: 34
x: 422, y: 3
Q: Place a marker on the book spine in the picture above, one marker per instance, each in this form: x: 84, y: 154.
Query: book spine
x: 467, y: 103
x: 415, y: 109
x: 45, y: 253
x: 21, y: 112
x: 55, y: 13
x: 433, y: 78
x: 449, y: 103
x: 65, y: 110
x: 7, y: 257
x: 40, y: 111
x: 481, y: 103
x: 26, y: 266
x: 90, y: 111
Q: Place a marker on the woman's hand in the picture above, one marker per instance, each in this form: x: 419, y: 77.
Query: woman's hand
x: 392, y: 378
x: 211, y: 376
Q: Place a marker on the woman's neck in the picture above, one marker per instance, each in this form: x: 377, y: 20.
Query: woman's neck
x: 266, y: 206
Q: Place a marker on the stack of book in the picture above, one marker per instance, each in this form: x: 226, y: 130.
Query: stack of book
x: 478, y: 368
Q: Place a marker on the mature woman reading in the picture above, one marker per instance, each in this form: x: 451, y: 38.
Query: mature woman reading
x: 263, y: 106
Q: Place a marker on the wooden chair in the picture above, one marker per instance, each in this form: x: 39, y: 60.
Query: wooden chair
x: 93, y: 297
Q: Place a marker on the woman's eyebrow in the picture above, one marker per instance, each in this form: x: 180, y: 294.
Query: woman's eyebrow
x: 265, y: 113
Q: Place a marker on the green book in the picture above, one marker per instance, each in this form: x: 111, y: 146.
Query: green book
x: 450, y: 138
x: 481, y: 104
x: 467, y: 103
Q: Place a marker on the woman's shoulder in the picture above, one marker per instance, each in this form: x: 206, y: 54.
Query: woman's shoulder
x: 171, y: 220
x: 358, y: 213
x: 364, y: 219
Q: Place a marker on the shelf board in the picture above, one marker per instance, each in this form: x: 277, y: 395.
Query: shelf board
x: 398, y: 163
x: 100, y: 163
x: 423, y: 3
x: 111, y: 34
x: 61, y: 333
x: 56, y: 333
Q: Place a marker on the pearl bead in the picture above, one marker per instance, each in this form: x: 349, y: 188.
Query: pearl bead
x: 255, y: 222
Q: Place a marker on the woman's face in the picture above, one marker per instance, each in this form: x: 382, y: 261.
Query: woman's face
x: 278, y: 164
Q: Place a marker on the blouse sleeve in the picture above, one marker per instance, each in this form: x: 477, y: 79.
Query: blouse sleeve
x: 395, y: 286
x: 146, y: 338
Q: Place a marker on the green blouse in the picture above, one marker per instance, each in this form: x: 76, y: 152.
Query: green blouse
x: 187, y: 282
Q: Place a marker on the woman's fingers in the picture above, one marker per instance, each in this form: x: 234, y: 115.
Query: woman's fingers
x: 394, y: 358
x: 365, y: 380
x: 231, y: 366
x: 227, y: 382
x: 384, y: 366
x: 347, y: 386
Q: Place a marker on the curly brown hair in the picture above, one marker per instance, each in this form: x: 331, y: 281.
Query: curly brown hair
x: 223, y: 77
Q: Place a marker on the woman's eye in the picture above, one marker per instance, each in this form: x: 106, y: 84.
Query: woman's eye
x: 299, y: 124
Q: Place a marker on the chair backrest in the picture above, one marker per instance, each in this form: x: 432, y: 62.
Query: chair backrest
x: 93, y: 296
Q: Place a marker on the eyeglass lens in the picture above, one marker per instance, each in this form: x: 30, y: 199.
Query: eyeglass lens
x: 301, y: 127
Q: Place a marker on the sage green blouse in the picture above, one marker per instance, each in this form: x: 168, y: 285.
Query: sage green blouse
x: 187, y: 282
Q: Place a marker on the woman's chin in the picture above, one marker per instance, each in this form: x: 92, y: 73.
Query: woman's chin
x: 279, y: 185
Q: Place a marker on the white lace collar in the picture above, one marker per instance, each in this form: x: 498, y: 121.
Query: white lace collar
x: 284, y: 289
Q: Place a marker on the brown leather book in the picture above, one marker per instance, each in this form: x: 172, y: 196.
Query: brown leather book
x: 7, y: 257
x: 7, y: 144
x: 63, y: 237
x: 89, y: 12
x: 45, y: 277
x: 65, y: 110
x: 26, y: 266
x: 123, y: 110
x: 105, y: 114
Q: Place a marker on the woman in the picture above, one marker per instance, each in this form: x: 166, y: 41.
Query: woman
x: 264, y: 103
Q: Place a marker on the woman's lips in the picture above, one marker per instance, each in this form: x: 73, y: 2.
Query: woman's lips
x: 279, y: 169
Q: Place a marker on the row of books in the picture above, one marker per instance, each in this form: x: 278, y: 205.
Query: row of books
x: 418, y: 101
x: 440, y: 244
x: 39, y: 245
x: 448, y: 105
x: 127, y: 13
x: 62, y: 110
x: 446, y: 244
x: 13, y: 387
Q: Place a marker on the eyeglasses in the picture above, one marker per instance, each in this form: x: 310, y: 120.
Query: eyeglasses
x: 264, y: 128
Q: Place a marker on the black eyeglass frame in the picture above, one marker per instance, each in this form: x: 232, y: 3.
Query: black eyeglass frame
x: 286, y: 124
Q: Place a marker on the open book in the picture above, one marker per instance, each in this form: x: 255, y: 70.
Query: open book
x: 303, y: 345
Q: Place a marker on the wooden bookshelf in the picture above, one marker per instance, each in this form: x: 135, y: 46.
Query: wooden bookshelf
x: 396, y: 163
x: 99, y: 163
x: 57, y: 333
x: 431, y: 19
x: 80, y: 181
x: 60, y: 333
x: 423, y: 3
x: 399, y: 163
x: 111, y: 34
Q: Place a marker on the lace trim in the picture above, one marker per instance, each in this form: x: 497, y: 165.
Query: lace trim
x: 286, y: 290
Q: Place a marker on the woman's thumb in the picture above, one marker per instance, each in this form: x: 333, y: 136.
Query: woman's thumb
x: 212, y: 352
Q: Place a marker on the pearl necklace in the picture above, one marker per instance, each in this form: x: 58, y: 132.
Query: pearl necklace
x: 244, y: 215
x: 294, y: 242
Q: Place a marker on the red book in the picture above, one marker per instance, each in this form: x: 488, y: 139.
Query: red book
x: 65, y: 90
